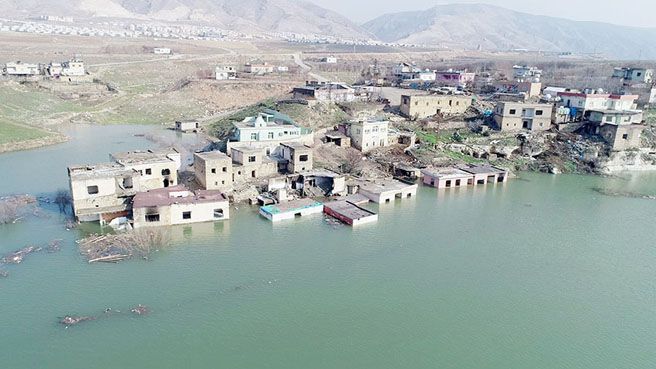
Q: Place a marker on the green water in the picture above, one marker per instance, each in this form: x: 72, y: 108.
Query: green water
x: 542, y: 272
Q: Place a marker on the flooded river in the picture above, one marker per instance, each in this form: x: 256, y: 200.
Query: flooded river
x: 543, y: 272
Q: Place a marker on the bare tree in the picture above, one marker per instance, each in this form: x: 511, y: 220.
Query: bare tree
x: 63, y: 200
x: 352, y: 162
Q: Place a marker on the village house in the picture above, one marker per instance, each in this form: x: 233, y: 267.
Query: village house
x: 455, y: 78
x: 297, y: 157
x: 484, y: 174
x: 524, y: 73
x: 329, y: 59
x: 177, y: 205
x: 157, y: 168
x: 102, y: 192
x: 20, y: 69
x: 446, y: 177
x: 338, y: 138
x: 424, y: 106
x: 349, y: 213
x: 579, y: 104
x: 213, y: 170
x: 225, y: 72
x: 186, y: 125
x: 510, y: 116
x: 405, y: 71
x: 251, y: 163
x: 73, y: 68
x: 291, y: 209
x: 162, y: 50
x: 258, y: 68
x: 634, y: 75
x: 384, y: 190
x: 267, y: 131
x: 328, y: 92
x: 367, y: 135
x: 620, y: 129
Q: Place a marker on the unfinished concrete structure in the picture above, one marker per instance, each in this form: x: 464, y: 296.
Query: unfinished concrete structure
x: 187, y: 125
x: 177, y: 205
x: 338, y: 138
x: 297, y: 157
x: 251, y: 163
x: 333, y: 92
x: 424, y: 106
x: 349, y: 213
x: 157, y: 168
x: 386, y: 190
x: 512, y: 116
x: 258, y: 68
x: 622, y: 130
x: 102, y: 192
x: 292, y: 209
x: 320, y: 183
x: 213, y: 170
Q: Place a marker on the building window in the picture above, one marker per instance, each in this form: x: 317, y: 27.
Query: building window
x: 166, y: 172
x: 251, y: 159
x: 303, y: 158
x: 225, y: 169
x: 218, y: 213
x: 152, y: 218
x: 213, y: 170
x: 149, y: 171
x: 186, y: 215
x: 609, y: 118
x: 92, y: 190
x: 538, y: 112
x: 512, y: 112
x: 625, y: 136
x: 270, y: 135
x: 254, y: 136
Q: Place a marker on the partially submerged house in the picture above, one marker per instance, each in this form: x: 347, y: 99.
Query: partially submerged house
x: 320, y: 183
x: 187, y: 125
x: 291, y: 209
x: 385, y: 190
x: 483, y: 174
x: 349, y: 213
x: 424, y: 106
x: 102, y: 192
x: 177, y: 205
x: 464, y: 175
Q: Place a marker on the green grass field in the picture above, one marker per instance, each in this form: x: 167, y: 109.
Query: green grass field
x: 10, y: 132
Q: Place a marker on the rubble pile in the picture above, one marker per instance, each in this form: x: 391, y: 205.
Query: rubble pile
x: 16, y: 207
x: 112, y: 248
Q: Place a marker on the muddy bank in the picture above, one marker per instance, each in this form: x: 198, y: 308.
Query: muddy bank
x: 53, y: 139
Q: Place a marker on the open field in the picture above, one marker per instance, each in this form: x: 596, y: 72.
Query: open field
x: 10, y: 133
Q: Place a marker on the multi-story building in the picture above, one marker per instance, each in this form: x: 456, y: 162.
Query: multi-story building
x: 581, y: 103
x: 367, y: 135
x: 213, y: 170
x: 157, y: 168
x: 251, y: 163
x: 510, y: 116
x: 455, y: 78
x: 297, y: 157
x: 225, y: 72
x: 424, y: 106
x: 634, y: 75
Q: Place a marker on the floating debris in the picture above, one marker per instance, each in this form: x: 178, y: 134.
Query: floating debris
x: 18, y: 256
x: 54, y: 246
x: 70, y: 320
x: 632, y: 195
x: 112, y: 248
x: 4, y: 274
x: 14, y: 208
x: 140, y: 310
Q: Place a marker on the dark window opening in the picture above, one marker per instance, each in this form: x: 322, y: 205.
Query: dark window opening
x: 186, y: 215
x: 213, y: 170
x: 152, y: 218
x: 218, y: 213
x: 225, y: 169
x: 538, y: 112
x: 512, y: 111
x: 149, y: 171
x: 166, y: 172
x: 251, y: 159
x: 92, y: 190
x: 625, y: 136
x: 304, y: 158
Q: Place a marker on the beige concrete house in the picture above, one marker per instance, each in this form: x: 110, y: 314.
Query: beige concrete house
x: 620, y: 129
x: 446, y: 177
x: 186, y: 125
x: 424, y: 106
x: 251, y: 163
x: 298, y: 157
x: 367, y: 135
x: 213, y: 170
x: 177, y: 205
x: 102, y: 192
x: 157, y: 168
x: 513, y: 116
x: 385, y: 191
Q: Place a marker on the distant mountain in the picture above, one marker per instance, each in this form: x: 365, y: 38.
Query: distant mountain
x: 494, y: 28
x: 238, y: 15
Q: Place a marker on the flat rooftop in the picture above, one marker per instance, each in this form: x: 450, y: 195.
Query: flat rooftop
x: 103, y: 170
x: 144, y: 156
x: 446, y: 173
x: 212, y: 155
x: 291, y: 206
x: 348, y: 209
x: 482, y: 169
x: 385, y: 185
x: 176, y: 195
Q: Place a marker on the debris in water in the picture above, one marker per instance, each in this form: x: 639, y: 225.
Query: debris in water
x: 140, y: 310
x: 18, y: 256
x: 4, y: 274
x: 70, y: 320
x: 632, y: 195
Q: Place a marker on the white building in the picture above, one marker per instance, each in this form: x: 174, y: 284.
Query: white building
x: 225, y: 72
x: 367, y: 135
x: 73, y: 68
x: 21, y: 69
x: 330, y: 59
x: 162, y: 51
x: 524, y: 73
x: 637, y: 75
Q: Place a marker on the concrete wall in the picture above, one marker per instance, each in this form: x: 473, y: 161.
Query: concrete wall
x: 173, y: 214
x: 213, y: 174
x: 511, y: 116
x: 420, y: 107
x: 621, y: 137
x: 369, y: 135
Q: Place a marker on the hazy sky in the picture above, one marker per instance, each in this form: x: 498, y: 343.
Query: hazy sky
x: 628, y: 12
